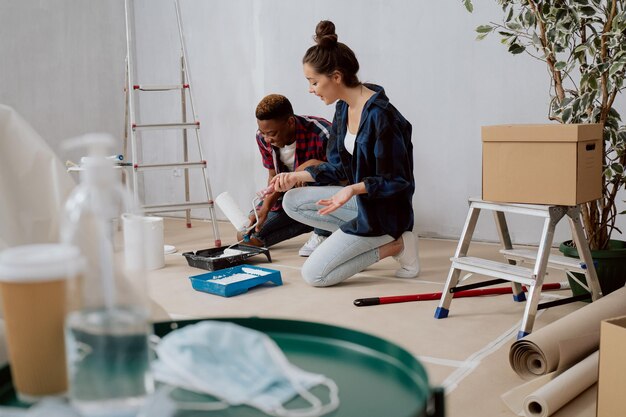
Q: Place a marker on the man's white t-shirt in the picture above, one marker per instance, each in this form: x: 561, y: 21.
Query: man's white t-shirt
x: 288, y: 155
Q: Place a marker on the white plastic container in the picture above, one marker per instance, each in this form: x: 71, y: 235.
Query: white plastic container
x: 107, y: 327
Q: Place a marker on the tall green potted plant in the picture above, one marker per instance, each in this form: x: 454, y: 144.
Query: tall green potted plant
x: 583, y: 45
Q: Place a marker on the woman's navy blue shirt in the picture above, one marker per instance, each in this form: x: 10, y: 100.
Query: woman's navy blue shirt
x: 382, y: 159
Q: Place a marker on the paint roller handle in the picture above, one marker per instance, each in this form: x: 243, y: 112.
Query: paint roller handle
x: 265, y: 192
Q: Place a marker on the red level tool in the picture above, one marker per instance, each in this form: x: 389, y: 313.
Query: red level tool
x: 362, y: 302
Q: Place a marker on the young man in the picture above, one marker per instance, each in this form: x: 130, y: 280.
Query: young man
x: 288, y: 143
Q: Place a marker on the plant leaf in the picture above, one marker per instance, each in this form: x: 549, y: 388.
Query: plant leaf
x: 567, y: 115
x: 617, y: 168
x: 560, y: 65
x: 516, y: 48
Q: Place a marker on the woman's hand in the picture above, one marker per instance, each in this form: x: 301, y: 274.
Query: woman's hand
x: 287, y: 180
x: 336, y: 201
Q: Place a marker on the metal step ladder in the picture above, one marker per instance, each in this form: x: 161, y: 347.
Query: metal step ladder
x: 189, y: 122
x: 518, y: 275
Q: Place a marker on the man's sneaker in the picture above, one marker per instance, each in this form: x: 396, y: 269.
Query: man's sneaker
x: 314, y: 241
x: 409, y: 257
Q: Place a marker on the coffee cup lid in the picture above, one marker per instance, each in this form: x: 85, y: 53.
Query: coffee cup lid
x: 40, y: 262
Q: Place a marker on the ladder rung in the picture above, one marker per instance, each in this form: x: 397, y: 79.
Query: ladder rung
x: 554, y: 261
x: 141, y: 167
x: 161, y: 208
x: 162, y: 126
x: 494, y: 269
x: 159, y: 87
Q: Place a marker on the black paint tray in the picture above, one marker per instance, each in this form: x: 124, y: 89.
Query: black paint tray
x: 210, y: 259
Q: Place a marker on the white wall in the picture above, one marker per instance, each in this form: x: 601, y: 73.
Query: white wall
x: 423, y: 53
x: 62, y: 66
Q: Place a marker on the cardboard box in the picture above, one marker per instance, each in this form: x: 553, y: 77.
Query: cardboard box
x: 556, y: 164
x: 612, y: 368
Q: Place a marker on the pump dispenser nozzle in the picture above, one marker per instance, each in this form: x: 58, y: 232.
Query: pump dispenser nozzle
x: 97, y: 167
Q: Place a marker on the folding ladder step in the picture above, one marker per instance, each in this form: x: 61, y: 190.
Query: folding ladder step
x: 146, y: 167
x: 159, y: 87
x: 159, y: 208
x: 526, y: 209
x: 163, y: 126
x: 494, y: 269
x: 563, y: 263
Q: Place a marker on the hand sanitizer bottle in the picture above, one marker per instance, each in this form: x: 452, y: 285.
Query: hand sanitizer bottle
x: 107, y: 326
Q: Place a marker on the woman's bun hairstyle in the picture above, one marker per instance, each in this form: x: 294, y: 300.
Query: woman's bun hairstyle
x: 329, y: 56
x: 325, y: 35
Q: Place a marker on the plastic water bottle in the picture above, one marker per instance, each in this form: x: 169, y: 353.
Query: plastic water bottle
x: 107, y: 326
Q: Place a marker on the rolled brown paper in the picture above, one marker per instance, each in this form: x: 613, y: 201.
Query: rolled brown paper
x: 548, y: 399
x: 566, y: 341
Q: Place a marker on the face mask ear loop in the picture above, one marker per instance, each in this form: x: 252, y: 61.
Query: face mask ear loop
x: 317, y: 408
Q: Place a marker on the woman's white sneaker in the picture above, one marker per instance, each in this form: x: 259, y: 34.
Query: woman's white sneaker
x: 314, y: 241
x: 409, y: 257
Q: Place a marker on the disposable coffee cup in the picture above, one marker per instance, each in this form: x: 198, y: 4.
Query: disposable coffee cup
x: 34, y: 282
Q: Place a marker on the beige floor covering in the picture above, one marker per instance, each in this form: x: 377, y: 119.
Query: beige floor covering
x: 467, y: 353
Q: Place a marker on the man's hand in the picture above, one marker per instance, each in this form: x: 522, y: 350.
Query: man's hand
x: 262, y: 213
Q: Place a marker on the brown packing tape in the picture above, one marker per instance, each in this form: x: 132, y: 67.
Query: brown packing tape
x: 540, y: 352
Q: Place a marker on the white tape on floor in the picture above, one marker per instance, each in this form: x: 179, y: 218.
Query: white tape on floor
x: 472, y: 362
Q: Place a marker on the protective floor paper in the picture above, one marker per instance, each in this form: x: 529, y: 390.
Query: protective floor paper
x: 514, y: 399
x: 565, y: 387
x: 566, y: 341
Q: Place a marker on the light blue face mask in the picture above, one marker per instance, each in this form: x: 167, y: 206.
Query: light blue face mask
x: 238, y: 366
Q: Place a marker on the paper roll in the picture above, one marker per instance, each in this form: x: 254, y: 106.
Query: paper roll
x: 562, y: 389
x: 232, y: 211
x: 568, y: 340
x: 143, y: 242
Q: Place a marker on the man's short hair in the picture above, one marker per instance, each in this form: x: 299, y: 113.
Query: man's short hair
x: 274, y: 106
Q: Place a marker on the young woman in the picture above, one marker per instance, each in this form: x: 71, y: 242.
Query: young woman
x: 369, y: 149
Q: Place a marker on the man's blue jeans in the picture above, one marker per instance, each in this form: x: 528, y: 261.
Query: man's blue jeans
x: 279, y: 227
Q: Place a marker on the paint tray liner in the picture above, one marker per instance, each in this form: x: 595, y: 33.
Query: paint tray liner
x: 214, y: 259
x: 234, y: 281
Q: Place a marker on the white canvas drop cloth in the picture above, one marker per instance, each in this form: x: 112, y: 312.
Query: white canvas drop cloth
x: 33, y: 184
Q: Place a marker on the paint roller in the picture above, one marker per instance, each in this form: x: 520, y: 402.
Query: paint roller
x: 236, y: 216
x: 229, y: 207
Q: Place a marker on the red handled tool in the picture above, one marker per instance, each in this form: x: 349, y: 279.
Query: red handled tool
x: 373, y: 301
